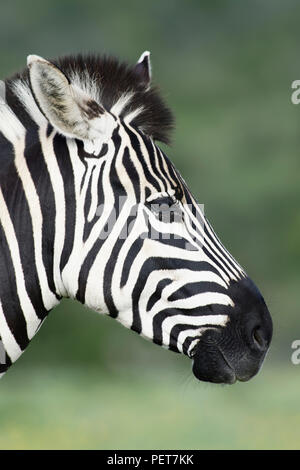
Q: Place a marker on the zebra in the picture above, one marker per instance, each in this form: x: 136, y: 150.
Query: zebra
x: 92, y: 209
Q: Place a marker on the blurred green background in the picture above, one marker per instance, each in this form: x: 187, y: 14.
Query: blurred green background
x: 225, y: 68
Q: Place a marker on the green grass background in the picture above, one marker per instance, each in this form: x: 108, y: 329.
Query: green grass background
x: 226, y: 69
x: 80, y: 409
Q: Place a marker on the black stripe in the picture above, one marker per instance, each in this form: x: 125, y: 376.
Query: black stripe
x: 157, y: 263
x: 87, y: 264
x: 10, y: 301
x: 229, y: 260
x: 41, y: 179
x: 130, y: 257
x: 193, y: 288
x: 7, y: 157
x: 191, y: 312
x: 158, y: 292
x: 91, y: 256
x: 87, y: 205
x: 175, y: 332
x: 65, y: 167
x: 132, y: 173
x: 151, y: 149
x: 216, y: 259
x: 135, y: 144
x: 17, y: 205
x: 162, y: 170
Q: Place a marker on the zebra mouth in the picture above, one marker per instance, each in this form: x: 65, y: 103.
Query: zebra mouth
x: 217, y: 364
x: 232, y: 375
x: 225, y: 375
x: 211, y: 365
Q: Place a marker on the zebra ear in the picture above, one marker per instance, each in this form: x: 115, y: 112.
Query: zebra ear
x: 70, y: 110
x: 143, y: 69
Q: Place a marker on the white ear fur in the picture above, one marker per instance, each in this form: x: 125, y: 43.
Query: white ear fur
x: 70, y: 110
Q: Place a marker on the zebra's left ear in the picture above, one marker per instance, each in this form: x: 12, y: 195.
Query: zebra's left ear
x: 68, y: 108
x: 143, y: 69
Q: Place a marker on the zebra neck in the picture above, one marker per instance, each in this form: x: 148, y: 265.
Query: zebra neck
x: 27, y: 233
x: 27, y: 290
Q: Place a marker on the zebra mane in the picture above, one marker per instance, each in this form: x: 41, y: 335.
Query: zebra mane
x: 115, y: 85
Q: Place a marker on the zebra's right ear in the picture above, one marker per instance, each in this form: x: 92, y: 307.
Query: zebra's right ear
x: 68, y: 108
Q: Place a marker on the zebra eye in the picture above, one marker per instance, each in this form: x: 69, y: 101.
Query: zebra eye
x: 161, y: 201
x: 178, y: 193
x: 168, y: 197
x: 165, y: 207
x: 164, y: 203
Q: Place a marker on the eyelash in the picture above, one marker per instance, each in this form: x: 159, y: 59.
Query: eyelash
x: 155, y: 205
x: 165, y: 197
x: 165, y: 200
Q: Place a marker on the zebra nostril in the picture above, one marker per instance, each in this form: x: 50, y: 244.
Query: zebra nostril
x: 258, y: 338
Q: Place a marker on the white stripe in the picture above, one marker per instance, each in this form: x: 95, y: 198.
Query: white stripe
x: 234, y: 265
x: 214, y: 244
x: 71, y: 270
x: 122, y: 102
x: 146, y: 156
x: 184, y: 334
x: 167, y: 176
x: 94, y: 189
x: 201, y: 300
x: 49, y: 299
x: 171, y: 321
x: 60, y: 204
x: 198, y: 300
x: 179, y: 277
x: 131, y: 116
x: 157, y: 165
x: 193, y: 344
x: 10, y: 126
x: 14, y: 131
x: 204, y: 242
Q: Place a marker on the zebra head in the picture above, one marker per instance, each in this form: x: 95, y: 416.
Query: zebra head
x: 130, y: 239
